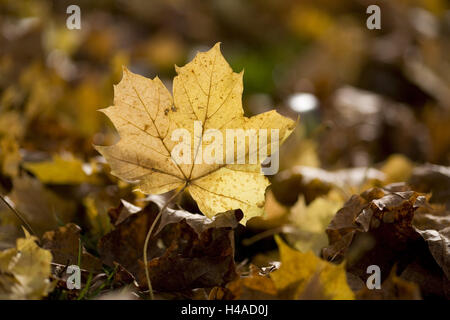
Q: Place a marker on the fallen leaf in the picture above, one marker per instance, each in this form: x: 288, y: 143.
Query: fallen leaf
x: 205, y: 90
x: 9, y: 231
x: 42, y: 209
x: 435, y: 179
x: 25, y: 270
x: 197, y: 222
x: 393, y: 288
x: 392, y: 226
x: 8, y: 234
x: 179, y: 257
x: 391, y: 207
x: 434, y: 227
x: 64, y: 244
x: 311, y: 222
x: 299, y: 269
x: 124, y: 210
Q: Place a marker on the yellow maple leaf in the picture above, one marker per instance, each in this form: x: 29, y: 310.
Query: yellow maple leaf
x: 299, y: 271
x: 25, y: 270
x: 206, y: 104
x: 312, y: 220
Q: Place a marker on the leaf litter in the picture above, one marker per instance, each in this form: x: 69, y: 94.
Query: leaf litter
x: 313, y: 231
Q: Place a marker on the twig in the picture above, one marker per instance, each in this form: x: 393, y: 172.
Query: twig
x: 147, y: 238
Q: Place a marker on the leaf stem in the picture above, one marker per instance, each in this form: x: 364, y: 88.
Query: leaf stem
x: 147, y: 238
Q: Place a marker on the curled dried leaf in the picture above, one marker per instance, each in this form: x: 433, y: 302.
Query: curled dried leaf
x: 188, y: 252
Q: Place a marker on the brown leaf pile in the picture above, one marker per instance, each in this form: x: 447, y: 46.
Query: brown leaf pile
x: 188, y: 253
x: 393, y: 227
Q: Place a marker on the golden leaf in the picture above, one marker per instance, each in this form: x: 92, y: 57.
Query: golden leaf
x: 299, y: 271
x: 312, y: 221
x: 25, y: 270
x: 206, y: 93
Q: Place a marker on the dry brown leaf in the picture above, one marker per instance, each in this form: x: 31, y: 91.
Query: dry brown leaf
x: 41, y: 208
x: 434, y: 179
x: 392, y: 208
x: 64, y: 244
x: 392, y: 226
x: 187, y: 253
x: 393, y: 288
x: 434, y: 227
x: 197, y: 222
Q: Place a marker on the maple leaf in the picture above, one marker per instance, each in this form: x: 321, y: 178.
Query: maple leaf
x: 300, y: 271
x: 207, y: 91
x: 311, y: 222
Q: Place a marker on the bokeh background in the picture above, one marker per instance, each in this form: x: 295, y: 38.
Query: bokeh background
x: 362, y: 94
